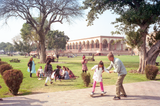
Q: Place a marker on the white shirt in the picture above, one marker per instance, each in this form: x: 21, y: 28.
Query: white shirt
x: 98, y: 73
x: 40, y: 71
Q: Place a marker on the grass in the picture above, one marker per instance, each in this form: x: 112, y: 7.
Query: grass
x: 33, y: 85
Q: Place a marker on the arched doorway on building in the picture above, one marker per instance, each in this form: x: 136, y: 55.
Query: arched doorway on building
x: 87, y: 45
x: 112, y: 45
x: 84, y: 45
x: 73, y: 46
x: 97, y: 44
x: 70, y: 46
x: 80, y: 46
x: 92, y: 45
x: 105, y: 45
x: 118, y: 45
x: 76, y: 46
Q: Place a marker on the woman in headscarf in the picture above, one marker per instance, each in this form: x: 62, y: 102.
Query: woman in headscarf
x: 84, y: 64
x: 31, y: 67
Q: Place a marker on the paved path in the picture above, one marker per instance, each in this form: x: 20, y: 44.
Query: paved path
x: 139, y: 94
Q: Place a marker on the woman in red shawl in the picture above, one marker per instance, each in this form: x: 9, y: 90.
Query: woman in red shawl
x: 71, y: 75
x: 84, y: 64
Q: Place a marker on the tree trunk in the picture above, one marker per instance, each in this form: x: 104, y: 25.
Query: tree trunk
x: 149, y: 57
x: 142, y: 53
x: 43, y: 49
x: 38, y: 50
x: 153, y: 54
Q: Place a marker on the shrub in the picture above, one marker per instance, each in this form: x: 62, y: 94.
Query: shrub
x: 13, y: 79
x: 86, y: 77
x: 5, y: 67
x: 1, y: 62
x: 151, y: 71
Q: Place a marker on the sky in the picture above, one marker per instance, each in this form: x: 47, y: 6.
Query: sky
x: 77, y: 30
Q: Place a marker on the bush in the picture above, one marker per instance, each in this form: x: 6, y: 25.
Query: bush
x: 86, y: 77
x: 13, y: 79
x: 1, y: 62
x: 151, y: 71
x: 5, y: 67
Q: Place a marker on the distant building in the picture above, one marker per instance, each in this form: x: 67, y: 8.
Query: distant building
x: 100, y: 45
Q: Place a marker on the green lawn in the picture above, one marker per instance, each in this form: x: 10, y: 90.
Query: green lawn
x: 33, y: 85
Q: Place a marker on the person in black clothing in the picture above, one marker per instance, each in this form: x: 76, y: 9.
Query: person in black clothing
x: 57, y: 57
x: 57, y: 74
x: 30, y: 66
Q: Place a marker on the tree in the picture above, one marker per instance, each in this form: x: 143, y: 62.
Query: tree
x: 7, y: 47
x: 53, y: 10
x: 57, y: 40
x: 24, y: 47
x: 139, y: 14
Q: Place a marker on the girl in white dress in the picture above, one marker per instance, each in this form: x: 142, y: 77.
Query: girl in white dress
x: 97, y: 77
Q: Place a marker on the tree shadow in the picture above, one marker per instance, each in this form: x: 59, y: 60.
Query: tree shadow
x: 23, y: 101
x: 29, y: 93
x: 141, y: 97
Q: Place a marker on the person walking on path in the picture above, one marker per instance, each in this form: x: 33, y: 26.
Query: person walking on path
x: 121, y: 70
x: 97, y: 77
x: 48, y: 71
x: 84, y: 64
x: 31, y: 67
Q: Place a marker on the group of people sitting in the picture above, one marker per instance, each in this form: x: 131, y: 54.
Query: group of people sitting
x: 59, y: 73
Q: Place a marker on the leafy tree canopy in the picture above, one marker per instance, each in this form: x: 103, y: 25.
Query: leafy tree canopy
x: 57, y: 40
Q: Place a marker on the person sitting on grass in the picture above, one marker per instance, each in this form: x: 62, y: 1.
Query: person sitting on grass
x: 61, y: 71
x: 71, y: 75
x: 40, y: 71
x: 65, y: 75
x: 1, y: 98
x: 57, y: 73
x: 48, y: 72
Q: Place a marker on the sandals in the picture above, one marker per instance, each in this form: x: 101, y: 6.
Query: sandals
x: 1, y: 99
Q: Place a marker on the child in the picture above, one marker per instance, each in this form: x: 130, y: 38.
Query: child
x: 99, y: 69
x: 48, y: 71
x: 66, y: 75
x: 57, y: 73
x: 40, y: 71
x: 84, y: 64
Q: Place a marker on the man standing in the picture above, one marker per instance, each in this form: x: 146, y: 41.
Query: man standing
x: 121, y: 70
x: 57, y: 56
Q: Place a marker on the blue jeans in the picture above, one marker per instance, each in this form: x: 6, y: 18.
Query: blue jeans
x: 41, y: 75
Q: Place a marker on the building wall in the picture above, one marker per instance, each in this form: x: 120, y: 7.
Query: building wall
x: 96, y: 44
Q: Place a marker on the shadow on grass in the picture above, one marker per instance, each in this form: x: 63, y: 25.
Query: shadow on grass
x: 65, y: 84
x: 157, y: 79
x: 106, y: 78
x: 22, y: 101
